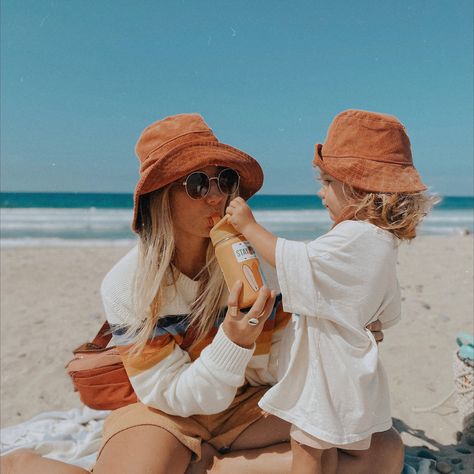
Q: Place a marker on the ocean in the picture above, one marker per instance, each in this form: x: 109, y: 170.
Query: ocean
x: 40, y: 219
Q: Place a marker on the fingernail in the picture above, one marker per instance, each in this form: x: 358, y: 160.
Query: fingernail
x: 233, y: 310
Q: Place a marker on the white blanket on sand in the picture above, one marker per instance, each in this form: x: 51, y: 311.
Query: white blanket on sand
x: 72, y: 436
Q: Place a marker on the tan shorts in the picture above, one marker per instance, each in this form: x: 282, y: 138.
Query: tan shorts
x: 308, y: 440
x: 220, y: 430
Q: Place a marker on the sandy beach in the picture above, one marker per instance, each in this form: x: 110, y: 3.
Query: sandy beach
x: 50, y: 303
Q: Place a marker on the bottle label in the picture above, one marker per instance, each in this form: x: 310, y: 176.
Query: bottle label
x: 243, y: 251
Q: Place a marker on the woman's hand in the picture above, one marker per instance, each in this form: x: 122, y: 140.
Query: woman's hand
x: 236, y: 324
x: 376, y: 329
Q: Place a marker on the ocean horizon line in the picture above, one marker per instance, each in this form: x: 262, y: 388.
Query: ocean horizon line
x: 84, y: 200
x: 131, y: 194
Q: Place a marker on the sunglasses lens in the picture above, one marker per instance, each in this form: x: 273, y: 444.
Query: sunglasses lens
x: 197, y: 185
x: 228, y: 181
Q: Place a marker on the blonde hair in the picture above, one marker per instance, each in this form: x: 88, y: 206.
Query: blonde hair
x: 398, y: 213
x: 155, y: 272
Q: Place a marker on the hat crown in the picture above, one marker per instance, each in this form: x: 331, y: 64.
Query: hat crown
x: 173, y: 147
x: 370, y: 151
x: 368, y: 135
x: 166, y: 135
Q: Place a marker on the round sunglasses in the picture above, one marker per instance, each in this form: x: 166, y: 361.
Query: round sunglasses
x: 198, y: 184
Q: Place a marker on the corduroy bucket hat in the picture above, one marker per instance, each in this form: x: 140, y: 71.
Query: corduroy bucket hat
x: 175, y: 146
x: 370, y: 151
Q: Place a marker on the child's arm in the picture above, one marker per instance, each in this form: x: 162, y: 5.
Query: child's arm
x: 241, y: 217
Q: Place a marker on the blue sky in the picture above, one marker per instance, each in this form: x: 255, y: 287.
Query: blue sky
x: 81, y: 78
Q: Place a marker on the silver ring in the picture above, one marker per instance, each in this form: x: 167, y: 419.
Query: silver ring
x: 253, y: 321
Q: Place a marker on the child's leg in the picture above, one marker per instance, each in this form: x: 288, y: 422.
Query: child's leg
x: 308, y: 460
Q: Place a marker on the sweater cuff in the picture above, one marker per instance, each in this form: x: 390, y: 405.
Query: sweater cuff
x: 226, y: 357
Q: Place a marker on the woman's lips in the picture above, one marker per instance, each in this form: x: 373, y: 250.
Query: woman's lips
x: 214, y: 218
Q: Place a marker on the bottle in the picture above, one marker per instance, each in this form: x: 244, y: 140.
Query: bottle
x: 237, y: 259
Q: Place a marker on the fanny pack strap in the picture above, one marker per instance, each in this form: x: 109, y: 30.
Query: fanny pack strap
x: 99, y: 343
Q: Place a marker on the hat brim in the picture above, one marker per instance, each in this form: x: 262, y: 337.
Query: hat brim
x: 191, y: 158
x: 370, y: 175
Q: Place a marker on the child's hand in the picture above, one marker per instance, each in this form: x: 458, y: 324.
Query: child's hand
x: 240, y: 215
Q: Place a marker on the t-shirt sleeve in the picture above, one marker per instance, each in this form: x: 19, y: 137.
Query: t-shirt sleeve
x: 296, y: 277
x: 163, y: 374
x: 391, y: 313
x: 341, y: 276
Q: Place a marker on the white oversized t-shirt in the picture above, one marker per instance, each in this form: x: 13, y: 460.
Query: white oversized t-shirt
x: 331, y: 381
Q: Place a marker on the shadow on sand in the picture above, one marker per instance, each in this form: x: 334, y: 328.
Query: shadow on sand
x: 444, y: 458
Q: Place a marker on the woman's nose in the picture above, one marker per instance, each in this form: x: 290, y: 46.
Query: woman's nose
x: 214, y: 195
x: 320, y: 193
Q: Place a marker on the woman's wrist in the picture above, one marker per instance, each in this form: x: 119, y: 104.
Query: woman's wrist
x: 236, y: 342
x: 227, y: 358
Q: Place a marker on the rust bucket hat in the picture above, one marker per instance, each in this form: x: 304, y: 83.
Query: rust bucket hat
x: 177, y: 145
x: 370, y: 151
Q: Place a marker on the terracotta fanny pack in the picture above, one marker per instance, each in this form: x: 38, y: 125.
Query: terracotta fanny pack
x: 98, y: 374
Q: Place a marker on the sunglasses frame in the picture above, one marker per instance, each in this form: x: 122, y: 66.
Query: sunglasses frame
x: 185, y: 183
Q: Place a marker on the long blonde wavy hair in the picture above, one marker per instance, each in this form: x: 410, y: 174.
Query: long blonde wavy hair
x: 155, y: 271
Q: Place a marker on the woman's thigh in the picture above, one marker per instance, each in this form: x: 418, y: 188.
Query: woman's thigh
x: 144, y: 449
x: 25, y: 461
x: 266, y: 431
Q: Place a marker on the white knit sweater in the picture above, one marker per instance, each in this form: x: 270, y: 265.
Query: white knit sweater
x: 167, y: 375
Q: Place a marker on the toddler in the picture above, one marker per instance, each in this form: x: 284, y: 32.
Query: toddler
x: 332, y: 387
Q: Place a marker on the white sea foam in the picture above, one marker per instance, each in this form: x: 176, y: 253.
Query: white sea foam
x: 57, y: 242
x: 94, y: 226
x: 309, y: 216
x: 66, y: 223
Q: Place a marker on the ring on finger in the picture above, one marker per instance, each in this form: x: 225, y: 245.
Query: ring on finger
x: 253, y: 321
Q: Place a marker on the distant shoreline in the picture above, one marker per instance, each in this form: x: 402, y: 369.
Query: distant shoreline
x: 125, y: 201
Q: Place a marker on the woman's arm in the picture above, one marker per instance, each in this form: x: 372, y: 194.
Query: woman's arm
x: 163, y: 375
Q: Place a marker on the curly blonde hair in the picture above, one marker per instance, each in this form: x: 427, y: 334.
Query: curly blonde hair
x: 398, y: 213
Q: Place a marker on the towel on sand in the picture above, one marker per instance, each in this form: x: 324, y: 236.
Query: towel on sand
x: 72, y: 436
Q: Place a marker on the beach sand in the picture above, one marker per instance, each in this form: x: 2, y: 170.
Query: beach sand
x: 50, y: 303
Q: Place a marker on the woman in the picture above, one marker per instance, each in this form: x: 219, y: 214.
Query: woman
x: 198, y: 381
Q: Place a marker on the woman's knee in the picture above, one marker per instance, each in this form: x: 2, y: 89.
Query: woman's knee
x: 143, y: 449
x: 389, y: 446
x: 392, y: 441
x: 384, y: 455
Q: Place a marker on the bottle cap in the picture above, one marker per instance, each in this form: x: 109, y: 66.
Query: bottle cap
x: 223, y: 229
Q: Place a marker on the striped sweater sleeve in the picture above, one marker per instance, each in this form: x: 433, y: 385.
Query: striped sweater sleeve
x: 163, y: 375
